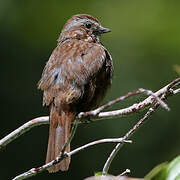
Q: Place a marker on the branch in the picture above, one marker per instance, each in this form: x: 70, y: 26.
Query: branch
x: 154, y: 98
x: 34, y: 171
x: 22, y: 129
x: 175, y: 83
x: 126, y: 137
x: 96, y: 114
x: 168, y: 89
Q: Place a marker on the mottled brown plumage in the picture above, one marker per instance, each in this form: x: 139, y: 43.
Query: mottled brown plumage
x: 75, y: 79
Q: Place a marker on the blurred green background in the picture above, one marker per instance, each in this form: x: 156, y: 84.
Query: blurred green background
x: 144, y: 43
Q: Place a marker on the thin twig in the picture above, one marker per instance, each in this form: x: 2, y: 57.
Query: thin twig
x: 165, y: 92
x: 125, y: 172
x: 176, y: 91
x: 22, y: 129
x: 127, y: 135
x: 137, y: 107
x: 103, y: 115
x: 131, y: 132
x: 162, y: 103
x: 173, y: 84
x: 110, y: 140
x: 73, y: 130
x: 132, y: 93
x: 110, y: 103
x: 34, y: 171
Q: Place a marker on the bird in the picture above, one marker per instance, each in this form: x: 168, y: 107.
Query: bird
x: 75, y: 79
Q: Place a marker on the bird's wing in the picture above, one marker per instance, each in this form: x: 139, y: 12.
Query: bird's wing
x: 70, y: 67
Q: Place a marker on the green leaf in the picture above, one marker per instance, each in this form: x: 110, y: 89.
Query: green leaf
x: 166, y: 171
x: 157, y: 173
x: 173, y: 169
x: 98, y: 173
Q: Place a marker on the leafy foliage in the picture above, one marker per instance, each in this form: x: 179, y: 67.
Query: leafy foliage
x: 166, y: 171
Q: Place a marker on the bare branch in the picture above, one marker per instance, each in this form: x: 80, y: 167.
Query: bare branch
x: 110, y: 103
x: 137, y: 125
x: 135, y: 107
x: 132, y: 93
x: 127, y: 135
x: 153, y: 99
x: 162, y: 103
x: 176, y: 91
x: 34, y: 171
x: 73, y: 130
x: 22, y: 129
x: 125, y: 172
x: 96, y: 114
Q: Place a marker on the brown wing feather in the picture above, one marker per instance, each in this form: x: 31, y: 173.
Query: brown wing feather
x: 66, y: 74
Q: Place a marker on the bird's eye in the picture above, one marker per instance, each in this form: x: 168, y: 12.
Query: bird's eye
x: 88, y: 25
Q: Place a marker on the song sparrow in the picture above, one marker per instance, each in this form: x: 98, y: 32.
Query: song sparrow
x: 75, y: 79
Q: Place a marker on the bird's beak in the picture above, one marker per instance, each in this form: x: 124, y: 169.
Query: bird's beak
x: 102, y: 30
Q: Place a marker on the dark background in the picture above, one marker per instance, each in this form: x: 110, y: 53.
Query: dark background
x: 145, y: 45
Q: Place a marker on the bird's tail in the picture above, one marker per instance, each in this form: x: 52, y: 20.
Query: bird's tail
x: 59, y: 132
